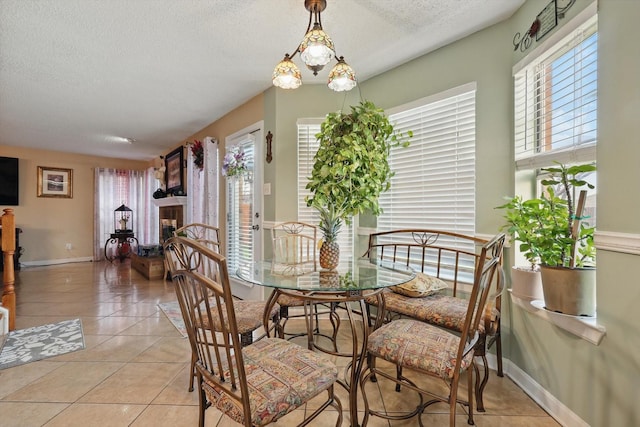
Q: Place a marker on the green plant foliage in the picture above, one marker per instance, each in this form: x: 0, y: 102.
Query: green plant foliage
x: 351, y: 166
x: 523, y: 223
x: 543, y: 226
x: 330, y: 223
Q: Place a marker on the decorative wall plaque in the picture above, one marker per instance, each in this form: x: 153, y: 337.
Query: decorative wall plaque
x: 547, y: 20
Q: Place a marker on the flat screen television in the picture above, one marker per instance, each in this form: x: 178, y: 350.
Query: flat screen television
x: 9, y: 181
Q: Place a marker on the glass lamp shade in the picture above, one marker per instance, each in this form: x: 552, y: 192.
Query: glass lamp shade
x: 287, y: 74
x: 342, y: 77
x: 316, y: 47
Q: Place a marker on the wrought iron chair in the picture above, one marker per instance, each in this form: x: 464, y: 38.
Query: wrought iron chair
x: 448, y: 256
x: 426, y: 349
x: 255, y: 384
x: 294, y: 247
x: 202, y: 233
x: 248, y: 313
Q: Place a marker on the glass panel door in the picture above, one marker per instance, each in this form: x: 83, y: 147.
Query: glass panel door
x: 244, y: 202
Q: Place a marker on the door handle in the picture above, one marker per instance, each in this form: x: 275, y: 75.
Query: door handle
x: 255, y: 227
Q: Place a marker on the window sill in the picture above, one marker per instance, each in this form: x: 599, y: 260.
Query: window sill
x: 586, y: 328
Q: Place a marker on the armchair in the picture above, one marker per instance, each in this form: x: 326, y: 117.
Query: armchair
x: 294, y: 246
x: 255, y: 384
x: 248, y: 313
x: 454, y: 258
x: 425, y: 349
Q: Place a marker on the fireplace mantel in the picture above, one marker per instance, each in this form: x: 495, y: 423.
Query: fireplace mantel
x: 171, y: 201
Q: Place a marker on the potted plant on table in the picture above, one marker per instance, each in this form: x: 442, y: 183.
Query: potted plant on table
x: 350, y: 170
x: 552, y: 231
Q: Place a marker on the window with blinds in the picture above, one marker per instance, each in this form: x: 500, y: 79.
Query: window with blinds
x: 555, y: 102
x: 434, y: 182
x: 240, y: 235
x: 307, y: 147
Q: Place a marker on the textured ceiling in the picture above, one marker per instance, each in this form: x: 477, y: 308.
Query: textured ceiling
x: 75, y: 74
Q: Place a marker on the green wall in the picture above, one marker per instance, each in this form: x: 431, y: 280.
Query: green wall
x: 617, y: 367
x: 619, y: 110
x: 600, y: 384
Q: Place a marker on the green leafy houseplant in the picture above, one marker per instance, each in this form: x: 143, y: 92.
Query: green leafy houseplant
x: 552, y: 233
x: 549, y: 228
x: 523, y: 218
x: 351, y: 167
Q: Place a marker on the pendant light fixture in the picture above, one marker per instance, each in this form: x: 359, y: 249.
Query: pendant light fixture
x: 316, y: 50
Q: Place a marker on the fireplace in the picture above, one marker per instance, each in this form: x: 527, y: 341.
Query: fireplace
x: 171, y: 215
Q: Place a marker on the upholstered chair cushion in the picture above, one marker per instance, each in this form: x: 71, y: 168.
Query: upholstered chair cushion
x: 281, y: 376
x: 418, y: 345
x: 290, y: 301
x: 440, y: 310
x: 248, y: 316
x: 421, y: 286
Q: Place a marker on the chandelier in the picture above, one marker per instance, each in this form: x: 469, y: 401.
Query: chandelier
x: 316, y: 50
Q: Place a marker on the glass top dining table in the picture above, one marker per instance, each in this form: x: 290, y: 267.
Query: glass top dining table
x: 351, y: 276
x: 346, y: 287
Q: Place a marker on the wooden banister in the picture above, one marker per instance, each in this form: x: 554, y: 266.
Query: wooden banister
x: 8, y: 247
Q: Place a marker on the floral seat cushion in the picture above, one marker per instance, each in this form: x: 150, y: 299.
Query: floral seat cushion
x: 281, y: 376
x: 290, y: 301
x: 419, y: 346
x: 440, y: 310
x: 248, y: 316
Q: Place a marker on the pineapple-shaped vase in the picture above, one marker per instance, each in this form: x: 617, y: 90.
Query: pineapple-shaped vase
x: 329, y: 250
x: 329, y: 255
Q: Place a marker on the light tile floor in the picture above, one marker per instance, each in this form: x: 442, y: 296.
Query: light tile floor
x: 135, y: 368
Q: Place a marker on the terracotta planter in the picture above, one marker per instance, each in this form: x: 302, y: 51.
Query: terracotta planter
x: 569, y: 291
x: 526, y: 283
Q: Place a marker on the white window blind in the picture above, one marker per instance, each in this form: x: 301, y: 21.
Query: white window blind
x: 307, y: 147
x: 434, y: 182
x: 240, y: 235
x: 555, y: 102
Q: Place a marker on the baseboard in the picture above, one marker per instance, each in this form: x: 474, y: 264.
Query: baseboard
x: 55, y: 261
x: 561, y: 413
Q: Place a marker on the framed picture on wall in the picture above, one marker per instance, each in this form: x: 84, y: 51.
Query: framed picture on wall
x: 55, y: 182
x: 174, y: 163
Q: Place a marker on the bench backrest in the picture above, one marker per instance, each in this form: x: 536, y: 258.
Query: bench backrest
x: 452, y: 257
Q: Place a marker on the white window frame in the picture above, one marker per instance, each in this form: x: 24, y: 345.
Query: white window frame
x: 529, y: 72
x: 528, y: 175
x: 532, y: 100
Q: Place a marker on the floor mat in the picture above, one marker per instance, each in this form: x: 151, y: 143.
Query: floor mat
x: 40, y: 342
x: 173, y: 313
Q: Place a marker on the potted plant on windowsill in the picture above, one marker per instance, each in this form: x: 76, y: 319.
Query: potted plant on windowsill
x: 523, y: 218
x: 553, y: 231
x: 350, y: 170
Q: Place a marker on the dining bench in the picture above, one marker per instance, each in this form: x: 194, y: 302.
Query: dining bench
x: 449, y: 259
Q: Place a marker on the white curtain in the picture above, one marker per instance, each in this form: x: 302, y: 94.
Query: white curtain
x: 150, y: 229
x: 202, y: 186
x: 114, y: 187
